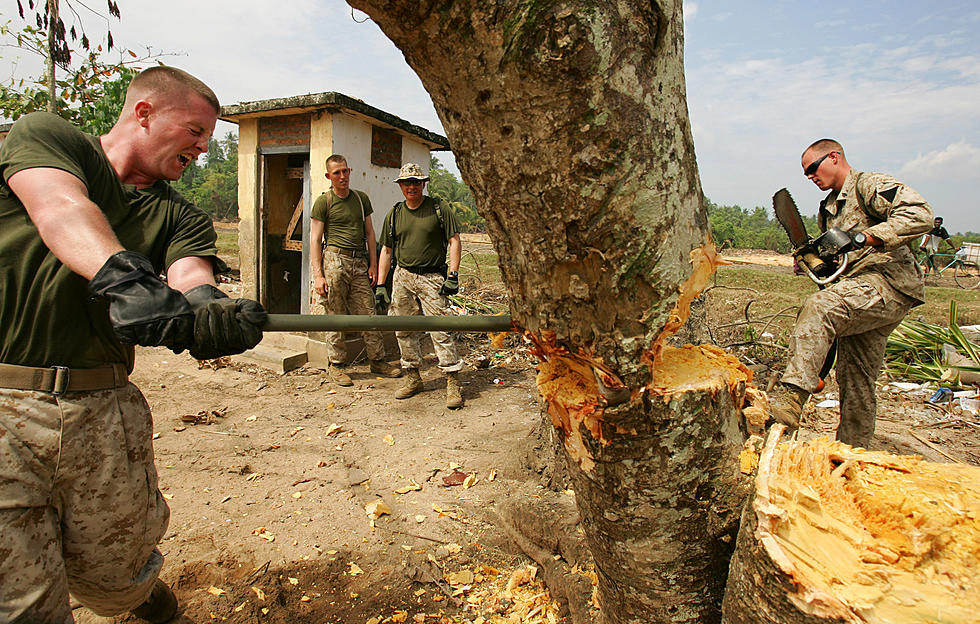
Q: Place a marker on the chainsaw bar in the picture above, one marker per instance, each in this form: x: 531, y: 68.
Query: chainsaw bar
x: 789, y: 217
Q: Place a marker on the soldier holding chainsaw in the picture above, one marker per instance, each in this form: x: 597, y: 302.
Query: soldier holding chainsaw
x: 871, y: 281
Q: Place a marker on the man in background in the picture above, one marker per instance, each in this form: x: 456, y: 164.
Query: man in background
x: 345, y: 268
x: 416, y: 237
x: 930, y: 243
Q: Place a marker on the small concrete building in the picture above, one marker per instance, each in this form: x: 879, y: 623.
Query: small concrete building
x: 283, y: 144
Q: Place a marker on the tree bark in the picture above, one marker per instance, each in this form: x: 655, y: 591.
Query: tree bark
x: 661, y: 505
x: 569, y: 122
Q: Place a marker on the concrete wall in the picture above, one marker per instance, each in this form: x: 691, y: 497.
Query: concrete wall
x: 352, y: 138
x: 326, y: 133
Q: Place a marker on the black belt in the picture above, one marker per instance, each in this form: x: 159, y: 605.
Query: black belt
x: 350, y: 253
x: 425, y: 270
x: 61, y: 379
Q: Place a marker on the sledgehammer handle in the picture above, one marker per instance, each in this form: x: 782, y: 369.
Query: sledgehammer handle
x: 344, y: 322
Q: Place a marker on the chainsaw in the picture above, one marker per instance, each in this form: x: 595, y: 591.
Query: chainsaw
x: 823, y: 258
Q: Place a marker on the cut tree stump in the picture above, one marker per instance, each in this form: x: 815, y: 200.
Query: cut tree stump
x: 838, y: 534
x: 657, y: 480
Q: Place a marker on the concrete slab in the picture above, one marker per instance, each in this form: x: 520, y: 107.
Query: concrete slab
x: 276, y: 359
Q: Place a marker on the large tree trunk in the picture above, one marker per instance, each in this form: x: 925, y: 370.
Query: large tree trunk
x: 660, y: 490
x: 569, y: 122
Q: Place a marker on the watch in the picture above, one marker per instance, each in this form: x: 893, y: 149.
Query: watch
x: 860, y: 239
x: 454, y: 274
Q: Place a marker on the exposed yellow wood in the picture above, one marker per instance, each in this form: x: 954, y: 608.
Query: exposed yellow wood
x: 867, y: 536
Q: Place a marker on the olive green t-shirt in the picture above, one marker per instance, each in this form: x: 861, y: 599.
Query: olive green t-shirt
x: 419, y: 241
x: 47, y: 317
x: 343, y: 222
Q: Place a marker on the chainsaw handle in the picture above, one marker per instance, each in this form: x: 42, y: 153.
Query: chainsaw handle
x: 823, y: 282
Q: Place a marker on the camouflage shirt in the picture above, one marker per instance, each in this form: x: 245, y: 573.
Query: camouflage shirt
x: 880, y: 205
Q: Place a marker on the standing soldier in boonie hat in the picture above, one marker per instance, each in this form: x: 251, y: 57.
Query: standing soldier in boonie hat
x: 416, y: 236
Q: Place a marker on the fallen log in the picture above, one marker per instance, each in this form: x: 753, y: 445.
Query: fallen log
x: 838, y: 534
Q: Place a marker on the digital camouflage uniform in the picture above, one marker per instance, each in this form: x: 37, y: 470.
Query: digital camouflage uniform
x: 862, y: 308
x: 420, y: 255
x: 345, y: 268
x: 79, y: 505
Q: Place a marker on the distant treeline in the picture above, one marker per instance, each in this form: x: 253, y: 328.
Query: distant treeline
x: 213, y: 186
x: 741, y: 228
x: 446, y: 186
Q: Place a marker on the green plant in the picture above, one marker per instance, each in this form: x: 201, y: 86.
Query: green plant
x: 915, y: 350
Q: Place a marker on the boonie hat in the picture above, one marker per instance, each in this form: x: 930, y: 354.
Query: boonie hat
x: 411, y: 171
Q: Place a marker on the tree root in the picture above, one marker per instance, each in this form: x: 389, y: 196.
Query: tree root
x: 546, y: 528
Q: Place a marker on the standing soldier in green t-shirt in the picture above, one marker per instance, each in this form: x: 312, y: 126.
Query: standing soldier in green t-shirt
x: 343, y: 270
x: 416, y: 235
x: 87, y: 224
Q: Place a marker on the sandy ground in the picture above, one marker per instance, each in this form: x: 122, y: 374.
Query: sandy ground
x: 269, y: 489
x: 269, y: 477
x: 758, y: 259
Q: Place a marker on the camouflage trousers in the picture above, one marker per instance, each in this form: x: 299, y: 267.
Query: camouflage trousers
x: 411, y: 293
x: 80, y: 511
x: 860, y: 317
x: 349, y: 292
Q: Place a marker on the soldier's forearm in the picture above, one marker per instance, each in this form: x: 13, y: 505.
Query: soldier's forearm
x: 455, y: 253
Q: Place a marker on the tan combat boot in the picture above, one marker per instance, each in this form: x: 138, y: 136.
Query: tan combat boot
x: 412, y: 385
x: 380, y: 367
x: 159, y: 607
x: 338, y: 376
x: 786, y: 405
x: 454, y: 393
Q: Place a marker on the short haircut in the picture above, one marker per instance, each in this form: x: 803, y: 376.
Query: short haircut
x: 824, y: 146
x: 164, y: 80
x: 334, y: 158
x: 940, y: 219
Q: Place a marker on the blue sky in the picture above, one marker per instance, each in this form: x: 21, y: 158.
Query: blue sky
x: 897, y: 82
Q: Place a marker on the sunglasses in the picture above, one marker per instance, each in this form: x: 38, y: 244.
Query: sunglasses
x: 412, y: 182
x: 812, y: 169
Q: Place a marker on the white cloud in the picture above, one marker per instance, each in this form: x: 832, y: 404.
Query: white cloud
x: 690, y: 11
x: 958, y: 161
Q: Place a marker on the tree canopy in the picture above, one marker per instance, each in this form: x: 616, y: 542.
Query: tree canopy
x: 213, y: 186
x: 741, y: 228
x: 446, y: 186
x: 87, y: 74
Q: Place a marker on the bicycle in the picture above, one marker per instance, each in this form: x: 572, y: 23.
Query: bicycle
x: 965, y: 264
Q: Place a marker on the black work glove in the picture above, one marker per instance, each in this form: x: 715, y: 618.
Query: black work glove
x: 449, y: 287
x: 223, y: 326
x: 143, y: 310
x: 381, y: 298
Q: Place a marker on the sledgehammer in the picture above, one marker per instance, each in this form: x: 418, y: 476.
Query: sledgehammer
x: 355, y: 322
